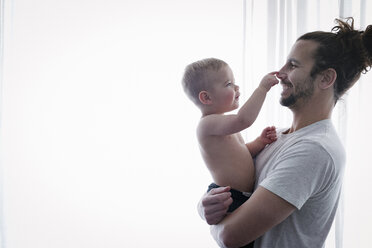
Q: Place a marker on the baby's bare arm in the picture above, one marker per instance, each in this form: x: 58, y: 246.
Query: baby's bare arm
x: 217, y: 124
x: 267, y: 136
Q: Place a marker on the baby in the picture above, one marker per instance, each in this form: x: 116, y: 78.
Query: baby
x: 210, y: 84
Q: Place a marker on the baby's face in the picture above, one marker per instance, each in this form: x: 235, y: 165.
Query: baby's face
x: 223, y: 91
x: 221, y: 76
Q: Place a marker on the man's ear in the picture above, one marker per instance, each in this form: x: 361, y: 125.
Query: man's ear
x: 205, y: 98
x: 328, y: 78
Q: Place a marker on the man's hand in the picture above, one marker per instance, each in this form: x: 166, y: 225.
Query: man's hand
x: 213, y: 205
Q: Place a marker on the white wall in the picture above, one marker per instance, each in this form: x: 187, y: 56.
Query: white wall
x: 97, y: 136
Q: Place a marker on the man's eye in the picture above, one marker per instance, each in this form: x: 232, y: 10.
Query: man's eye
x: 291, y: 65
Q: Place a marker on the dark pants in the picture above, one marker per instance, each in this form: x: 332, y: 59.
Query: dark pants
x: 238, y: 199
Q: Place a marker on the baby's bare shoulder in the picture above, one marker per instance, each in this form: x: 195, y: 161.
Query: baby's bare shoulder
x: 204, y: 124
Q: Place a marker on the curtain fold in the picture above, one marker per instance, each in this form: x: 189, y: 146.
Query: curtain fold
x: 1, y: 103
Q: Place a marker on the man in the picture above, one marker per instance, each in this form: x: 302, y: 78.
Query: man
x: 298, y: 177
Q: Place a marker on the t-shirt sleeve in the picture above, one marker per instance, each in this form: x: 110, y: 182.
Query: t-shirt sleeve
x: 305, y: 170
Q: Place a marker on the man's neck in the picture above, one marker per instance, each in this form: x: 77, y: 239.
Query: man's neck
x: 309, y: 113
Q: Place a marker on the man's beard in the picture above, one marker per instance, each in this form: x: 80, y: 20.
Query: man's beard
x: 304, y: 92
x: 289, y: 101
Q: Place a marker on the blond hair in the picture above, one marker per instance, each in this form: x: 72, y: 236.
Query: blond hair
x: 194, y: 78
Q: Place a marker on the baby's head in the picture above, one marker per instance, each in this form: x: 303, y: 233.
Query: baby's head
x: 203, y: 75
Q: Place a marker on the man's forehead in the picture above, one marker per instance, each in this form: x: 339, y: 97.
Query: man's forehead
x: 302, y: 51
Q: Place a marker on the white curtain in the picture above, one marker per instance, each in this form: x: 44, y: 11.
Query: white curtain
x: 271, y: 28
x: 97, y: 138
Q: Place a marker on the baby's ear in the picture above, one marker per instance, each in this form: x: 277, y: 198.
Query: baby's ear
x: 205, y: 98
x: 328, y: 78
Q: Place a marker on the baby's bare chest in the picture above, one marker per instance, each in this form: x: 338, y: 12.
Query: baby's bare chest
x: 226, y: 144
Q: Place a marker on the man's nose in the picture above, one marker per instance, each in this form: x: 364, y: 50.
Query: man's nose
x: 236, y: 87
x: 281, y: 75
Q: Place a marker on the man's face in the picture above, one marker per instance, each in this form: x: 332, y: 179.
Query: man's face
x: 298, y: 85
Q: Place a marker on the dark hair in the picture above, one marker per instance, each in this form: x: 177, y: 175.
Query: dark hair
x: 346, y: 50
x: 194, y: 78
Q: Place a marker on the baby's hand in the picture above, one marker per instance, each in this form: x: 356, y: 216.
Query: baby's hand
x: 268, y: 135
x: 269, y: 81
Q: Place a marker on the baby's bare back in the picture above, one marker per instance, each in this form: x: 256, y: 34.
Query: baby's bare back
x: 229, y: 161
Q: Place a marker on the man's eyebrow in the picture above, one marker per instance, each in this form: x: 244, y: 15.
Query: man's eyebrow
x: 292, y: 60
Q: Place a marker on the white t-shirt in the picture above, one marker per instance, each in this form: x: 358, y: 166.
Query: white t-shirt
x: 306, y: 169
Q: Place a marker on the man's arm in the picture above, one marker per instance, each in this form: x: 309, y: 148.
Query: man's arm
x: 260, y: 213
x: 228, y: 124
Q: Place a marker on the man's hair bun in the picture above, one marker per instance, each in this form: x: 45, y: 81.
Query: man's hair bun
x: 367, y: 41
